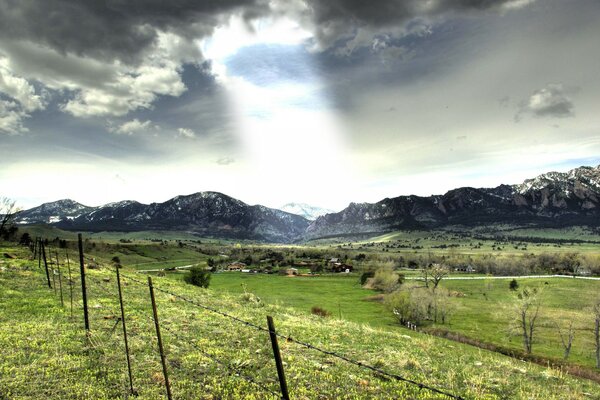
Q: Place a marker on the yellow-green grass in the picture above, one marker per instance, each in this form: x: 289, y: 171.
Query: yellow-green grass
x: 46, y: 353
x: 484, y: 310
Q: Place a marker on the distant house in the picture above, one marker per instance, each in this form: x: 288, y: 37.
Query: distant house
x: 340, y: 267
x: 288, y: 271
x: 236, y: 266
x: 465, y: 268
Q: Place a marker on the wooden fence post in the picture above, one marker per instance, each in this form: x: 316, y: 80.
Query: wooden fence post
x: 278, y: 363
x: 125, y: 331
x: 159, y: 338
x: 83, y: 287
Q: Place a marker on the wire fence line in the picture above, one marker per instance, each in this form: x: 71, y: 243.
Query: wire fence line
x: 94, y: 283
x: 303, y: 344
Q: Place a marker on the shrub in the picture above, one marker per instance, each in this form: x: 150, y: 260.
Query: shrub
x: 386, y: 280
x: 513, y: 285
x: 366, y: 275
x: 321, y: 312
x: 198, y: 276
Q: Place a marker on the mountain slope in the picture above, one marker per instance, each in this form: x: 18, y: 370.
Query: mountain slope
x: 53, y: 212
x: 554, y: 199
x: 205, y: 213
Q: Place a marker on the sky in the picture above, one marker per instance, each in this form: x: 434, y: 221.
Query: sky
x: 272, y: 102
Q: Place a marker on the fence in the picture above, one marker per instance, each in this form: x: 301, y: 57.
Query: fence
x: 113, y: 305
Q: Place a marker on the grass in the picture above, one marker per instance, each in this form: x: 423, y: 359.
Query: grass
x: 510, y: 241
x: 485, y: 313
x: 340, y: 294
x: 46, y: 353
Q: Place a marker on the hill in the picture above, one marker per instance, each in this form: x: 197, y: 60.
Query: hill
x: 550, y: 200
x: 204, y: 214
x: 220, y: 357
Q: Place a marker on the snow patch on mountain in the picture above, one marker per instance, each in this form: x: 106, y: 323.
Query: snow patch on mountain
x: 305, y: 210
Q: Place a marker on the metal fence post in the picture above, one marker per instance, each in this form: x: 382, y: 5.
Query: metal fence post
x: 83, y: 287
x: 70, y: 280
x: 46, y: 265
x: 159, y: 338
x: 278, y: 363
x: 62, y: 301
x: 39, y: 253
x: 124, y: 330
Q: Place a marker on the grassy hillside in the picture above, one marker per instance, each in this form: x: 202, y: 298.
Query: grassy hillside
x: 46, y: 353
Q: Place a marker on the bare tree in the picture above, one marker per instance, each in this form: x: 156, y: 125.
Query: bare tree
x: 527, y: 308
x: 8, y: 209
x: 566, y: 338
x: 596, y: 311
x: 434, y: 273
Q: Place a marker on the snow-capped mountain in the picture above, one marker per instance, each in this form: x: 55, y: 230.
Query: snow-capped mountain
x: 205, y: 213
x: 53, y: 212
x: 553, y: 199
x: 305, y: 210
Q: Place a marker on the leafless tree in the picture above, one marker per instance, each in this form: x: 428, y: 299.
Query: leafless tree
x: 596, y: 311
x: 566, y: 338
x: 527, y: 308
x: 8, y: 209
x: 434, y: 273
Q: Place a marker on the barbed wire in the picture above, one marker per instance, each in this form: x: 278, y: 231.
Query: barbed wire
x: 237, y: 371
x: 287, y: 338
x: 342, y: 357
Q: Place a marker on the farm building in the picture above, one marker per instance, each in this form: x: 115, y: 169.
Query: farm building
x: 340, y: 267
x: 288, y: 271
x: 236, y: 266
x: 465, y: 268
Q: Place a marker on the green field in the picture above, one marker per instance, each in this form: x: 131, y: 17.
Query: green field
x: 484, y: 312
x: 46, y: 353
x: 340, y: 294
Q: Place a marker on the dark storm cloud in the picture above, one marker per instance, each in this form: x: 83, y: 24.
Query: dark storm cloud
x: 114, y: 29
x: 338, y: 19
x: 124, y: 29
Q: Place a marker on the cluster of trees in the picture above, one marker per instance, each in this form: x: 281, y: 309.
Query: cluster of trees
x: 418, y: 302
x: 555, y: 263
x: 526, y: 311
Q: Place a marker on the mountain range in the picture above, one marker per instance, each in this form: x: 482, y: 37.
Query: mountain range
x: 554, y: 199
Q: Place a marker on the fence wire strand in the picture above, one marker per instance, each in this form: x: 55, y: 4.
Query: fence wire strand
x: 342, y: 357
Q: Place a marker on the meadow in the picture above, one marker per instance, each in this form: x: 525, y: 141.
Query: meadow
x: 481, y: 310
x: 46, y: 352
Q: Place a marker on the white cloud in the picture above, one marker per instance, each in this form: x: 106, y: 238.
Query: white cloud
x: 23, y: 100
x: 11, y: 118
x: 550, y: 101
x: 96, y: 88
x: 186, y: 133
x: 133, y: 126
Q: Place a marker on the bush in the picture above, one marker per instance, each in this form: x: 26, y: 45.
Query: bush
x: 366, y: 275
x: 513, y: 285
x: 198, y: 276
x: 386, y: 280
x: 321, y: 312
